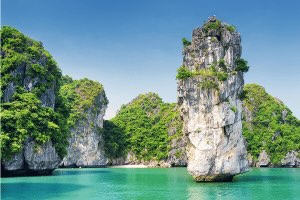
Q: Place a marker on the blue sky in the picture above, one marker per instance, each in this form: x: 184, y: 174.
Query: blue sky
x: 134, y: 46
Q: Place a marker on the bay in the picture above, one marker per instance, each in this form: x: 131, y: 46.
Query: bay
x: 151, y: 183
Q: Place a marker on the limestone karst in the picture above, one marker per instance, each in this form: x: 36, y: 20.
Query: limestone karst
x: 46, y: 117
x: 50, y: 121
x: 210, y: 82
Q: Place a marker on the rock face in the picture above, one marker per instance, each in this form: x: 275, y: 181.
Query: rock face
x: 32, y: 160
x: 263, y: 159
x: 177, y: 154
x: 291, y: 160
x: 42, y: 157
x: 85, y: 147
x: 211, y: 108
x: 28, y: 161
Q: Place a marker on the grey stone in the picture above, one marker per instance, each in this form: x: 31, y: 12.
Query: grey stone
x: 41, y: 157
x: 215, y: 148
x: 263, y: 159
x: 86, y: 145
x: 15, y: 163
x: 291, y: 159
x: 284, y: 114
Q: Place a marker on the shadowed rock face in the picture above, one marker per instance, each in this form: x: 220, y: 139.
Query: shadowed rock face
x: 291, y: 159
x: 263, y: 159
x: 86, y: 144
x: 212, y: 116
x: 88, y: 103
x: 32, y: 160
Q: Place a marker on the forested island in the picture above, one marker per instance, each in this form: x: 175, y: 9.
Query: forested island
x: 49, y: 120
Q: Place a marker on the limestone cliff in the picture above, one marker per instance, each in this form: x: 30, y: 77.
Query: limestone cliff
x: 209, y: 85
x: 24, y: 87
x: 38, y: 113
x: 88, y: 103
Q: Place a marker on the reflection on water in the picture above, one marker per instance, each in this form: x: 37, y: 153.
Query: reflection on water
x: 256, y: 184
x: 174, y: 183
x: 77, y: 171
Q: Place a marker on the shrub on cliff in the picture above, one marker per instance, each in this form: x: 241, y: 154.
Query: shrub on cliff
x: 242, y: 65
x: 24, y: 117
x: 186, y: 42
x: 212, y: 25
x: 183, y: 73
x: 19, y: 50
x: 79, y: 95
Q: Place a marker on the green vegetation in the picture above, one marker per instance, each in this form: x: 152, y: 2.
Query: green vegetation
x: 23, y: 116
x: 212, y: 25
x: 79, y: 95
x: 19, y: 51
x: 208, y: 84
x: 216, y: 72
x: 214, y: 39
x: 230, y: 28
x: 114, y: 140
x: 142, y: 126
x: 144, y: 123
x: 233, y: 108
x: 217, y: 25
x: 242, y: 65
x: 183, y: 73
x: 272, y: 128
x: 186, y: 42
x: 211, y: 72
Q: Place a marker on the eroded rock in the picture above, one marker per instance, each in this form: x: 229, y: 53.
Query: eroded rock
x: 291, y: 159
x: 41, y: 157
x: 86, y: 145
x: 212, y: 115
x: 263, y: 159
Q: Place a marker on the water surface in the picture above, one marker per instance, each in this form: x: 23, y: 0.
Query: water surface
x: 173, y: 183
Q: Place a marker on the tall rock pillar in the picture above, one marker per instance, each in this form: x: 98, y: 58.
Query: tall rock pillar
x: 210, y: 83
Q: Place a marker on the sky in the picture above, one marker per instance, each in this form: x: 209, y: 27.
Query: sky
x: 134, y: 46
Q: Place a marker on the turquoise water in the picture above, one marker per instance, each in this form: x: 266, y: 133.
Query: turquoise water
x: 173, y: 183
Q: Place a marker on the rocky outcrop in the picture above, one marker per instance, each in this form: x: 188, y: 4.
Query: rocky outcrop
x: 177, y: 155
x: 15, y: 163
x: 29, y: 83
x: 32, y: 160
x: 263, y: 159
x: 43, y: 157
x: 210, y: 107
x: 291, y: 159
x: 85, y: 147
